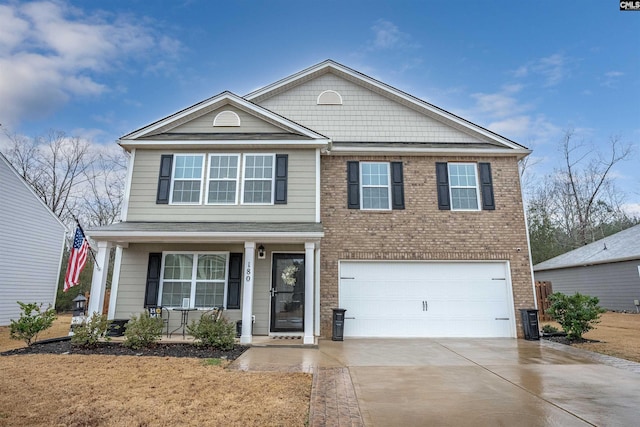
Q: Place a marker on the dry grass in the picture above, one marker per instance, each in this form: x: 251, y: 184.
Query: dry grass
x: 77, y: 390
x: 60, y: 328
x: 618, y: 333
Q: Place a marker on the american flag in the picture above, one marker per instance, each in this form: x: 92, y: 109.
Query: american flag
x: 77, y: 259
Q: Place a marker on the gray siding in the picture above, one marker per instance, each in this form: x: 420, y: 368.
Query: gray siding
x: 248, y: 124
x: 30, y: 248
x: 301, y: 194
x: 617, y: 284
x: 364, y: 116
x: 133, y: 275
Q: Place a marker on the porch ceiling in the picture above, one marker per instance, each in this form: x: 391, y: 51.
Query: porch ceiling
x: 207, y: 232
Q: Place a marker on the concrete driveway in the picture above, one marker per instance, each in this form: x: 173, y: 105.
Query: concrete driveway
x: 458, y: 382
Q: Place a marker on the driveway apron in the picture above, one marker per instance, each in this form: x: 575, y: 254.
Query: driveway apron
x: 458, y: 382
x: 474, y: 382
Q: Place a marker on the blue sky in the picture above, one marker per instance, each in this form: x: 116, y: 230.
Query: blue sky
x: 527, y: 70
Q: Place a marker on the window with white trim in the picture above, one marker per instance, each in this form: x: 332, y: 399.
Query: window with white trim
x: 463, y: 186
x: 375, y: 186
x: 187, y: 179
x: 258, y: 179
x: 222, y: 184
x: 199, y: 277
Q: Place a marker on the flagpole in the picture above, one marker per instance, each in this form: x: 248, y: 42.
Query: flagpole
x: 95, y: 261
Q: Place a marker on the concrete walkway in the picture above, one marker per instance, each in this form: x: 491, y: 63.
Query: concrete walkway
x: 458, y: 382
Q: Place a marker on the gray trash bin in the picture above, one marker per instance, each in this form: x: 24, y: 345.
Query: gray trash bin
x: 530, y: 323
x: 338, y: 324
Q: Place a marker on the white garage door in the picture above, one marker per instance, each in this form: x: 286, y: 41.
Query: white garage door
x: 424, y: 299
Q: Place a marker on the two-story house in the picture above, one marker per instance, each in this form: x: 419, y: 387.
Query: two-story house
x: 325, y: 189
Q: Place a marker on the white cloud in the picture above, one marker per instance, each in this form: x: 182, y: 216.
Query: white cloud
x: 553, y: 69
x: 51, y: 52
x: 632, y: 209
x: 611, y: 78
x: 500, y: 104
x: 388, y: 36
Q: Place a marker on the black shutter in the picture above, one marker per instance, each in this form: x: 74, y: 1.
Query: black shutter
x: 153, y: 279
x: 235, y: 280
x: 442, y: 178
x: 164, y: 180
x: 282, y: 161
x: 486, y: 187
x: 353, y: 185
x: 397, y: 186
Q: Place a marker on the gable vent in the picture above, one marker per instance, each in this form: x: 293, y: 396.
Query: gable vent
x: 226, y: 118
x: 329, y: 97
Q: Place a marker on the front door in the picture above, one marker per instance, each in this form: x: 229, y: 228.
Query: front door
x: 287, y: 293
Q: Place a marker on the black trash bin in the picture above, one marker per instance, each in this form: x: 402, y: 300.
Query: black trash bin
x: 338, y: 324
x: 530, y: 323
x: 239, y: 328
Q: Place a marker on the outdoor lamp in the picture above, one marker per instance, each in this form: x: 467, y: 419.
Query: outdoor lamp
x: 79, y: 304
x: 261, y: 253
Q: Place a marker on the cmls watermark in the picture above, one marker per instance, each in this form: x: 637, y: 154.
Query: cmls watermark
x: 629, y: 5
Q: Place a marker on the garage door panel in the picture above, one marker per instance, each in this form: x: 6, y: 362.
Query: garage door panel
x: 418, y: 299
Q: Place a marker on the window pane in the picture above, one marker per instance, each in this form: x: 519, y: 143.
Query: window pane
x: 464, y: 198
x: 257, y: 192
x: 188, y: 167
x: 178, y: 267
x: 211, y: 267
x: 375, y: 198
x: 209, y: 294
x: 186, y: 192
x: 375, y: 174
x: 174, y: 292
x: 223, y: 167
x: 222, y: 192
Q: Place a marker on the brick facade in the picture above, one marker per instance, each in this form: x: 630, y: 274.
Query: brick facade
x: 421, y: 231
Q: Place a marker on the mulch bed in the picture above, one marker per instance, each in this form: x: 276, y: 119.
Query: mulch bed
x: 64, y: 346
x: 562, y: 339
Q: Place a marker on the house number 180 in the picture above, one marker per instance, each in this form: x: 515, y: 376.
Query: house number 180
x: 248, y: 272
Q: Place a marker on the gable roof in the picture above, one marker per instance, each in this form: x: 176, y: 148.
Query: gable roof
x: 390, y: 92
x: 159, y: 131
x: 622, y: 246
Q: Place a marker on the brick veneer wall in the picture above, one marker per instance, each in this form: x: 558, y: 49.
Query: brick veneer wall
x: 421, y: 231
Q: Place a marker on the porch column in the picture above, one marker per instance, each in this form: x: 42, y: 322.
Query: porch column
x: 115, y: 280
x: 99, y: 279
x: 309, y: 263
x: 247, y: 295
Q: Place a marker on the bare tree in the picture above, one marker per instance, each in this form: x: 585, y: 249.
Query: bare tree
x: 578, y: 203
x: 72, y: 176
x: 55, y: 165
x: 584, y: 186
x: 106, y: 180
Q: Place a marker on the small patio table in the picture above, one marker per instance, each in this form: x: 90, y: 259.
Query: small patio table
x: 184, y: 320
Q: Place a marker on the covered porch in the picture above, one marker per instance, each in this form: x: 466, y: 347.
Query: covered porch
x: 263, y: 274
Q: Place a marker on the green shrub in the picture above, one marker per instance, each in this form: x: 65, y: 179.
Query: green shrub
x: 91, y: 331
x: 32, y: 321
x: 576, y: 314
x: 142, y: 331
x: 549, y: 329
x: 214, y: 333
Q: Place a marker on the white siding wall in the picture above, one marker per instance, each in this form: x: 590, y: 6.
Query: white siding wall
x: 616, y: 284
x: 364, y: 116
x: 30, y: 248
x: 133, y: 276
x: 301, y: 194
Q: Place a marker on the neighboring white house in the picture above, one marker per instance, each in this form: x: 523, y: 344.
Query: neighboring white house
x: 608, y: 269
x: 31, y: 246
